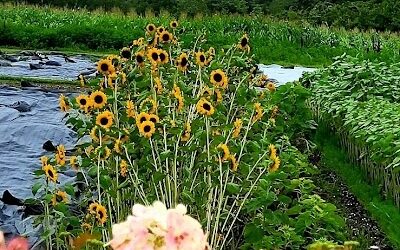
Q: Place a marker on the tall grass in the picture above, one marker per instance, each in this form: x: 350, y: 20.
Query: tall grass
x: 271, y: 40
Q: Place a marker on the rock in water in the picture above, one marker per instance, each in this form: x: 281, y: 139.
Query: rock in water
x: 67, y: 59
x: 288, y: 67
x: 10, y: 58
x: 53, y: 63
x: 35, y: 66
x: 48, y: 146
x: 21, y: 106
x: 5, y: 64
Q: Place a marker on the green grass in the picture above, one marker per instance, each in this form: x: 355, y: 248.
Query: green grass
x: 383, y: 211
x: 272, y: 41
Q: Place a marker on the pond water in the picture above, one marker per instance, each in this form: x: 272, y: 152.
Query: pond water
x: 67, y: 70
x: 283, y: 75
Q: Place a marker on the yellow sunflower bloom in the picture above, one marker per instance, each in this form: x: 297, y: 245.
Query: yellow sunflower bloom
x: 219, y: 95
x: 173, y: 24
x: 126, y: 53
x: 152, y: 54
x: 183, y: 62
x: 59, y: 196
x: 244, y: 43
x: 73, y: 161
x: 139, y: 58
x: 147, y: 129
x: 234, y: 163
x: 271, y: 86
x: 186, y: 134
x: 51, y: 173
x: 105, y: 119
x: 204, y: 107
x: 160, y: 29
x: 226, y: 151
x: 275, y: 165
x: 123, y: 168
x: 272, y: 151
x: 165, y: 37
x: 138, y: 42
x: 163, y: 56
x: 176, y: 92
x: 142, y: 117
x: 44, y: 160
x: 201, y: 59
x: 150, y: 28
x: 219, y: 79
x: 130, y: 109
x: 105, y: 67
x: 93, y: 207
x: 158, y: 85
x: 84, y: 102
x: 149, y: 100
x: 237, y: 127
x: 101, y: 214
x: 258, y: 112
x: 60, y: 155
x: 63, y: 103
x: 98, y: 99
x: 117, y: 146
x: 104, y: 154
x: 93, y: 134
x: 154, y: 118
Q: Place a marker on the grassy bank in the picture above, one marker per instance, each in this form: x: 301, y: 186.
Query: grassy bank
x: 383, y: 211
x: 272, y: 41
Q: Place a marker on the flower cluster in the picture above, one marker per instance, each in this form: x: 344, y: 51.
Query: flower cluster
x: 156, y: 227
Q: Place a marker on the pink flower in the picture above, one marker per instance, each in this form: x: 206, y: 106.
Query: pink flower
x: 158, y: 228
x: 18, y: 243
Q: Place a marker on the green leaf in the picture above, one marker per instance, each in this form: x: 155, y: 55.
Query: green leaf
x: 36, y: 188
x: 232, y: 188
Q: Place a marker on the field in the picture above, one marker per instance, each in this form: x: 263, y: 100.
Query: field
x: 182, y: 144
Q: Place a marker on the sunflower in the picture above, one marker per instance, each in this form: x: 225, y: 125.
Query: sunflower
x: 82, y: 80
x: 274, y: 112
x: 117, y: 146
x: 219, y: 95
x: 130, y: 109
x: 150, y: 28
x: 152, y: 54
x: 234, y: 163
x: 226, y: 151
x: 147, y: 129
x: 103, y: 154
x: 154, y: 118
x: 93, y: 134
x: 84, y: 102
x: 272, y: 151
x: 73, y: 162
x: 159, y: 85
x: 160, y: 30
x: 101, y: 214
x: 126, y: 53
x: 139, y: 57
x: 142, y: 117
x: 114, y: 59
x: 105, y: 67
x: 86, y: 227
x: 124, y: 168
x: 105, y: 119
x: 153, y: 104
x: 165, y: 36
x: 201, y: 59
x: 138, y: 42
x: 163, y: 56
x: 51, y: 173
x: 244, y: 43
x: 173, y: 24
x: 44, y: 159
x: 59, y: 196
x: 258, y: 110
x: 271, y: 86
x: 204, y: 107
x: 274, y: 165
x: 176, y: 92
x: 98, y: 99
x: 63, y: 103
x: 238, y: 126
x: 183, y: 62
x: 211, y: 51
x: 93, y: 207
x: 186, y: 134
x: 218, y: 78
x: 60, y: 155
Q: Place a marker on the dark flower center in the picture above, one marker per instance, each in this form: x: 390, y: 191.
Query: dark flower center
x: 162, y: 57
x: 126, y: 54
x: 59, y: 198
x: 184, y: 62
x: 82, y: 101
x: 104, y: 67
x: 165, y: 37
x: 50, y: 173
x: 139, y: 59
x: 147, y: 128
x: 244, y: 42
x: 154, y: 120
x: 160, y: 30
x: 154, y: 56
x: 174, y: 24
x: 151, y: 28
x: 218, y: 77
x: 202, y: 58
x: 101, y: 214
x: 142, y: 119
x: 98, y: 99
x: 104, y: 121
x: 206, y: 106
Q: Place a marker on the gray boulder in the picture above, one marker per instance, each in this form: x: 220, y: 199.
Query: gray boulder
x: 5, y: 64
x: 21, y: 106
x: 53, y: 63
